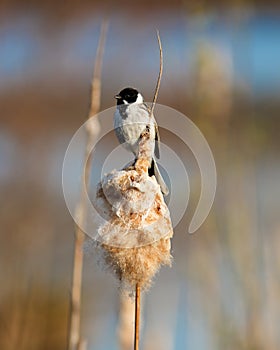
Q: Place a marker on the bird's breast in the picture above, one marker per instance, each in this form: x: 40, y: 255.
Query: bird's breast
x: 130, y: 125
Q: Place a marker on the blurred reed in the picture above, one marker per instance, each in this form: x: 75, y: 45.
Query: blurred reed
x: 75, y: 341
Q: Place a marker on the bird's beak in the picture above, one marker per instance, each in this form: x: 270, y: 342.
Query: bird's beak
x: 117, y: 97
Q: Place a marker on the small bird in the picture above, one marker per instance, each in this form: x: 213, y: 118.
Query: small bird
x: 132, y: 117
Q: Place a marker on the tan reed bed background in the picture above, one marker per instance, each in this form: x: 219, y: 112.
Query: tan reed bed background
x: 223, y: 290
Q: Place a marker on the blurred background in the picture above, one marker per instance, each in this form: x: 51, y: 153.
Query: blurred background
x: 221, y: 69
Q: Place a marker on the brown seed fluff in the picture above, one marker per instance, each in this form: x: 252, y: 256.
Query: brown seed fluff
x: 137, y: 265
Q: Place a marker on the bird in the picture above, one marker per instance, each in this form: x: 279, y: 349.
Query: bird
x: 132, y: 117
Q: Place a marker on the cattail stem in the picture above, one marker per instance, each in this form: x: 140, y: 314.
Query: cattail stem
x: 137, y: 316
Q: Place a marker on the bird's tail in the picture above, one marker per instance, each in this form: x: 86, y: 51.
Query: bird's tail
x: 154, y: 170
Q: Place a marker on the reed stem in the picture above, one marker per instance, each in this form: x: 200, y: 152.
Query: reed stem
x: 74, y: 337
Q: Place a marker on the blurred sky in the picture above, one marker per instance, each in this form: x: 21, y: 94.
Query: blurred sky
x: 30, y: 49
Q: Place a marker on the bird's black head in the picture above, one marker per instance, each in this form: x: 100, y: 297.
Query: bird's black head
x: 128, y: 95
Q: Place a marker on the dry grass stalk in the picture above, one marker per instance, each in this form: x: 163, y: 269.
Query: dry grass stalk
x: 159, y: 74
x: 74, y: 339
x: 137, y: 317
